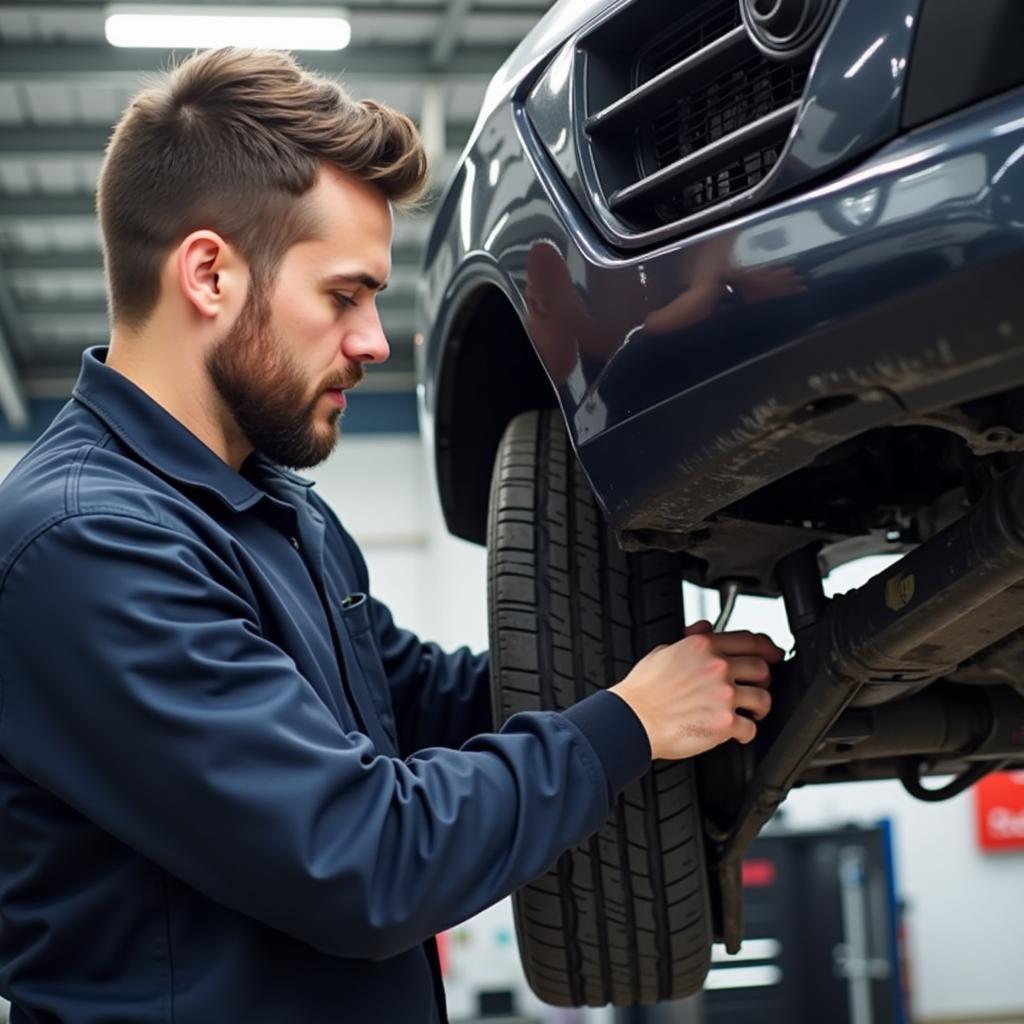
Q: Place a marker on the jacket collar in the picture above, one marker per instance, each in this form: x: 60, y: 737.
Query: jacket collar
x: 163, y: 441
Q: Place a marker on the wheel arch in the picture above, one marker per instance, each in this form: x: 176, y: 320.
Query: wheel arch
x: 489, y: 374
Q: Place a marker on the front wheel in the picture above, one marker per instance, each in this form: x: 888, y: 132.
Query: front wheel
x: 624, y: 918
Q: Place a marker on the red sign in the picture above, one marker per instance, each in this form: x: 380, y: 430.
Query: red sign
x: 757, y: 874
x: 999, y: 811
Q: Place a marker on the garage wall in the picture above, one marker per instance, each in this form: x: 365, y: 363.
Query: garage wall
x: 966, y: 929
x: 965, y: 932
x: 9, y: 455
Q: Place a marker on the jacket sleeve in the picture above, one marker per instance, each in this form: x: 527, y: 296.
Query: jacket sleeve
x: 137, y: 687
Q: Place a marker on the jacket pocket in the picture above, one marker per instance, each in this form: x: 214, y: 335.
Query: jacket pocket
x: 354, y: 611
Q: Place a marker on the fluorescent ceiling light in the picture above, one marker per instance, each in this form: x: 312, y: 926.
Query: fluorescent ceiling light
x: 268, y: 28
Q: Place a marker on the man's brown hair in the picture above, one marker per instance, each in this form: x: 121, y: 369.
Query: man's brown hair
x: 231, y: 140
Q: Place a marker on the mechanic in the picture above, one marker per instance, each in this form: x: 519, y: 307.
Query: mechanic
x: 232, y: 789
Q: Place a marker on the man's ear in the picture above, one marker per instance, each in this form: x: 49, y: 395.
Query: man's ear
x: 211, y: 276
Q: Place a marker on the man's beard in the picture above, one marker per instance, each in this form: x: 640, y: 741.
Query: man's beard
x: 266, y: 394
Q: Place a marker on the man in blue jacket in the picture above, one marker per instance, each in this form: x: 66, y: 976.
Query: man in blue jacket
x: 231, y: 789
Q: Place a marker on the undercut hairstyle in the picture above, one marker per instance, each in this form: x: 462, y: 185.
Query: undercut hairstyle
x: 232, y: 140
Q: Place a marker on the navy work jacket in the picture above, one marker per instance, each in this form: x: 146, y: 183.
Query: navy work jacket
x: 232, y: 791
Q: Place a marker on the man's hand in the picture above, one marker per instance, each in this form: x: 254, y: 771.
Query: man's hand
x: 687, y: 694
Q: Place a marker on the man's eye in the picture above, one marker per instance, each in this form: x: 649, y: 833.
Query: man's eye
x: 343, y: 300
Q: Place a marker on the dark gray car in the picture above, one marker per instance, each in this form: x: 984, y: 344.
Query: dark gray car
x: 730, y: 292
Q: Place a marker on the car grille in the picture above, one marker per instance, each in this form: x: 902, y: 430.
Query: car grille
x: 683, y: 114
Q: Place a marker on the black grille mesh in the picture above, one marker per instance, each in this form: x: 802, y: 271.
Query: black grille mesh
x: 698, y: 29
x: 729, y: 179
x: 735, y: 88
x: 743, y: 95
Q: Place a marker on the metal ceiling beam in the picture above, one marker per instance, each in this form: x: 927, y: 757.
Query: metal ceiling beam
x: 447, y: 37
x: 82, y: 206
x: 23, y: 259
x: 23, y: 142
x: 68, y: 204
x: 98, y: 62
x: 12, y: 396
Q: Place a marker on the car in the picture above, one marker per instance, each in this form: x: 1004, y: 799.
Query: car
x: 730, y: 292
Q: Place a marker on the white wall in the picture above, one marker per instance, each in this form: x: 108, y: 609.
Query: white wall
x: 9, y: 455
x: 966, y: 922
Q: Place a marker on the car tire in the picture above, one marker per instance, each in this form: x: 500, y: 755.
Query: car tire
x: 625, y: 917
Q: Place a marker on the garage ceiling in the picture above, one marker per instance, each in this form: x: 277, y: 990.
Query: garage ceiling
x: 62, y: 88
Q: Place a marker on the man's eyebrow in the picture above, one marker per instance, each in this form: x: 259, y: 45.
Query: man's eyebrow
x: 367, y: 280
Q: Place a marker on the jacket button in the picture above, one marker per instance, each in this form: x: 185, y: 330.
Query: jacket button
x: 295, y: 542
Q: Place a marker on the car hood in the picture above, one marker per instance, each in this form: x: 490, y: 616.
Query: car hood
x: 562, y: 21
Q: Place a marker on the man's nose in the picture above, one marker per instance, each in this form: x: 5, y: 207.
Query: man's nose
x: 366, y: 342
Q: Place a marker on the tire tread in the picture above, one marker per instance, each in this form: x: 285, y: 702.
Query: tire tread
x: 624, y: 918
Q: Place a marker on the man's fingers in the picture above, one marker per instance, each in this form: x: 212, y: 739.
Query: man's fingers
x: 753, y: 699
x: 696, y: 628
x: 743, y: 729
x: 747, y: 669
x: 742, y: 641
